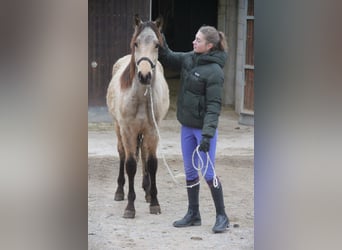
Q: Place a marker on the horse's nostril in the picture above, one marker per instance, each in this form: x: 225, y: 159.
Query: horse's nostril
x: 144, y: 79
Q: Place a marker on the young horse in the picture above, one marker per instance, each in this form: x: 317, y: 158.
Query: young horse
x: 138, y: 98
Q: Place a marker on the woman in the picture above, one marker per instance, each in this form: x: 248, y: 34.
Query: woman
x: 198, y: 110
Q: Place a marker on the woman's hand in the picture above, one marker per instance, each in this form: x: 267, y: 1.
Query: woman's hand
x: 205, y: 144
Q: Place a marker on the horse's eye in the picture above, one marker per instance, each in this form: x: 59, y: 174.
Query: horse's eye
x: 157, y: 46
x: 136, y: 45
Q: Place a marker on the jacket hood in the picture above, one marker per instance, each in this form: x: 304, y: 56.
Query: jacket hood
x: 215, y: 56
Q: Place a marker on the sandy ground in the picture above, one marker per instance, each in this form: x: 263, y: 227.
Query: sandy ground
x: 107, y: 229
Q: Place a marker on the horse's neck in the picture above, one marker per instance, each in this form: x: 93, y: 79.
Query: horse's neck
x: 141, y: 90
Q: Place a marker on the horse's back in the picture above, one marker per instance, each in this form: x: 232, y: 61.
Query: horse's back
x: 121, y: 64
x: 118, y: 68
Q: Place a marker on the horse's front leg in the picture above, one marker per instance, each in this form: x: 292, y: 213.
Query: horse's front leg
x: 150, y: 146
x: 119, y: 194
x: 152, y: 166
x: 131, y: 169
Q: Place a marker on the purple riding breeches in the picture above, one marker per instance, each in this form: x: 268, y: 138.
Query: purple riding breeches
x: 190, y: 139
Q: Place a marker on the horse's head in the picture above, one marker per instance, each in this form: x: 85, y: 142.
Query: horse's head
x: 144, y: 45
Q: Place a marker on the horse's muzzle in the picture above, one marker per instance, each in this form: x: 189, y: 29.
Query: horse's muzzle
x: 145, y: 78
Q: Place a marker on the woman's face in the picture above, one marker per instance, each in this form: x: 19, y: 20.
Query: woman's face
x: 200, y: 44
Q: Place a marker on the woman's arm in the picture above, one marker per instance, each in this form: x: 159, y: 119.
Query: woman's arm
x: 213, y: 104
x: 169, y: 58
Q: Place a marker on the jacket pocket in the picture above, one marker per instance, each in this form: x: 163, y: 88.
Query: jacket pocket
x: 197, y: 83
x: 194, y: 104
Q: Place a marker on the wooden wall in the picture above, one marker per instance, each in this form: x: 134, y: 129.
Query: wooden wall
x: 110, y: 28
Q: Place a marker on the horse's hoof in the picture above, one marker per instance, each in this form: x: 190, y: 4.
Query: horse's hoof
x: 129, y: 214
x: 119, y: 196
x: 148, y: 198
x: 155, y: 210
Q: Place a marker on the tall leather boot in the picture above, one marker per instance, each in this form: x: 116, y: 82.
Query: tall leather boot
x: 192, y: 217
x: 222, y: 220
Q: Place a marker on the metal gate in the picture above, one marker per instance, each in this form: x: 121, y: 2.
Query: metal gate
x: 110, y: 28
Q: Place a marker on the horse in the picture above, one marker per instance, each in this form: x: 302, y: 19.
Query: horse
x: 138, y: 99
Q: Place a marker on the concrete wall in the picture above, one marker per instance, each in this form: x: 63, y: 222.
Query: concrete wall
x: 232, y: 21
x: 232, y: 16
x: 227, y: 22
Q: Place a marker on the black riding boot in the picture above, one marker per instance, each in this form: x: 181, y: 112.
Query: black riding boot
x: 222, y: 220
x: 192, y: 217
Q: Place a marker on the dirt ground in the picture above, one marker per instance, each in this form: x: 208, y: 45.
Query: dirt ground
x: 107, y: 229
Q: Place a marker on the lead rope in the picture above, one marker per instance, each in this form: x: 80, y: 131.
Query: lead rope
x: 196, y: 151
x: 201, y: 166
x: 149, y: 89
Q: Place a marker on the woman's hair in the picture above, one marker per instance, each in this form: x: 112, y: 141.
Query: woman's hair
x: 217, y: 38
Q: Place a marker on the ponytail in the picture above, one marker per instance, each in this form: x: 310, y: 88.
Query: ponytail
x: 222, y: 45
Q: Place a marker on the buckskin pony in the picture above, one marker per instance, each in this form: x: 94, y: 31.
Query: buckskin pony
x: 138, y: 99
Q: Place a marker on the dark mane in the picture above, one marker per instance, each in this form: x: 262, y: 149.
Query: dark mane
x: 126, y: 77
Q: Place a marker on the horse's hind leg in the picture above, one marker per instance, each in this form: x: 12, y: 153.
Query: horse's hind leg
x: 146, y: 182
x: 119, y: 194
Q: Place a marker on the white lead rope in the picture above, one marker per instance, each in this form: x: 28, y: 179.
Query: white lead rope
x: 149, y: 88
x: 201, y: 166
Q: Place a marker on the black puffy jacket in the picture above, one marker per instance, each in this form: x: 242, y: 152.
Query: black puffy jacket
x: 200, y: 95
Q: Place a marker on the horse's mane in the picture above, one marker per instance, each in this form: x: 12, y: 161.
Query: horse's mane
x: 128, y: 74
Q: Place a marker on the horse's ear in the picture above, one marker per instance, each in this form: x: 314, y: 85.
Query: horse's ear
x: 137, y: 20
x: 159, y: 22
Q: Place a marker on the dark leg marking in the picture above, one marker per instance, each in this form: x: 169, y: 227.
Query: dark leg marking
x: 131, y: 169
x: 152, y: 166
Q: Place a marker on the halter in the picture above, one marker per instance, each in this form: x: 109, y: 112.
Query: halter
x: 144, y: 58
